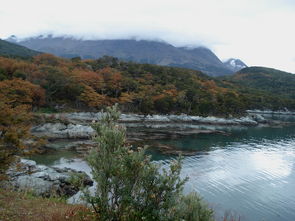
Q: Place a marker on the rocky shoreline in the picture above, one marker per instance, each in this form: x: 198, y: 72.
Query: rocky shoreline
x: 42, y: 180
x: 54, y: 131
x: 261, y: 112
x: 78, y: 125
x: 63, y: 131
x: 89, y: 117
x: 77, y: 128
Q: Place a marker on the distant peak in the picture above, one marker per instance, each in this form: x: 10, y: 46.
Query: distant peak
x: 235, y: 64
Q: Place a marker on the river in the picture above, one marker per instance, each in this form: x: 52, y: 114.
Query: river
x: 250, y: 172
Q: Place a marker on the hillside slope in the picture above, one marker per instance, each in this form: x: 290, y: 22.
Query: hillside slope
x: 266, y: 79
x: 13, y: 50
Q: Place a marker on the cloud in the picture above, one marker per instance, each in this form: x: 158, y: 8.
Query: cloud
x: 257, y: 31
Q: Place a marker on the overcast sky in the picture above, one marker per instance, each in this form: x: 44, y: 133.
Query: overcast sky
x: 259, y: 32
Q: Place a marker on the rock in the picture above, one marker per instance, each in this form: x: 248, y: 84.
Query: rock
x: 170, y: 150
x: 180, y: 118
x: 142, y: 134
x: 79, y: 131
x: 76, y: 130
x: 28, y: 163
x: 131, y: 118
x: 62, y: 131
x: 259, y: 118
x: 50, y: 127
x: 88, y: 117
x: 83, y: 146
x: 80, y: 146
x: 38, y: 185
x: 78, y: 198
x: 75, y: 117
x: 282, y: 112
x: 44, y: 180
x: 157, y: 118
x: 247, y: 121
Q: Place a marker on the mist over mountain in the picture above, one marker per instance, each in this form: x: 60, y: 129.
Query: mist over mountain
x: 142, y: 51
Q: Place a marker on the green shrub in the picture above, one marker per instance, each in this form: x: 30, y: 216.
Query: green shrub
x: 77, y: 179
x: 130, y: 186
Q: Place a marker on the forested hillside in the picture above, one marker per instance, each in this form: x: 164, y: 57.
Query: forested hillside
x: 13, y: 50
x: 266, y: 79
x: 59, y: 84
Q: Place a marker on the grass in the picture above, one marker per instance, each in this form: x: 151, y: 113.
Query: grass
x: 22, y: 206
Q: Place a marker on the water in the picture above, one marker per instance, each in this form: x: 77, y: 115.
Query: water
x: 250, y: 172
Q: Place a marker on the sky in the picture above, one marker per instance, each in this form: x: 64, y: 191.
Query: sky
x: 259, y: 32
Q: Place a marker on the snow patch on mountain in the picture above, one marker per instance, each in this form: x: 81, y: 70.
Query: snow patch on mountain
x: 235, y: 64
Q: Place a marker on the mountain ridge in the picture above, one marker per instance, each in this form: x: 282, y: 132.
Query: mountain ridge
x: 142, y: 51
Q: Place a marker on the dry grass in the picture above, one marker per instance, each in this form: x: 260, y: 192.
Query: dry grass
x: 16, y: 206
x: 21, y: 206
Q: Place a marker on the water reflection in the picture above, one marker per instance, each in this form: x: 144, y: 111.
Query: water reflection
x: 271, y: 163
x: 255, y: 181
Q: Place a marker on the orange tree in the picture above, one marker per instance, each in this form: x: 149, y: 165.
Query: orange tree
x: 17, y: 98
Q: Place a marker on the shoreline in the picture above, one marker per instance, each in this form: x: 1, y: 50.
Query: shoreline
x: 76, y: 128
x: 77, y: 125
x: 90, y: 117
x: 291, y: 113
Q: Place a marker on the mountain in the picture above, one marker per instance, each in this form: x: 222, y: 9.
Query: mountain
x: 235, y: 64
x: 151, y: 52
x: 9, y: 49
x: 270, y: 80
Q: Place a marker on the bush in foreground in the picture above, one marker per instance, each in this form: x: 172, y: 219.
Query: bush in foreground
x: 131, y: 187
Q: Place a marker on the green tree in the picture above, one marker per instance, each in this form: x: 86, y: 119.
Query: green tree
x: 130, y: 186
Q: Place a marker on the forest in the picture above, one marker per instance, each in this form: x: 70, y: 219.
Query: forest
x: 47, y: 83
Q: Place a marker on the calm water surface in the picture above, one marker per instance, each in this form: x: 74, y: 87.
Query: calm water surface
x: 250, y: 172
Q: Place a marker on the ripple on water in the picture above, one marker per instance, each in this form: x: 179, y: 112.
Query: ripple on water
x: 256, y: 180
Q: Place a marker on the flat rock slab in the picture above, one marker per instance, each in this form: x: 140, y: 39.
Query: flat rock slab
x: 43, y: 180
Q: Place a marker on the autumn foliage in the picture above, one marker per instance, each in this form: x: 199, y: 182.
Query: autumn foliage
x: 17, y: 99
x: 143, y: 88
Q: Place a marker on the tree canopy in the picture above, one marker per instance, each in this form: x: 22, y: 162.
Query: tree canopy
x: 144, y: 88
